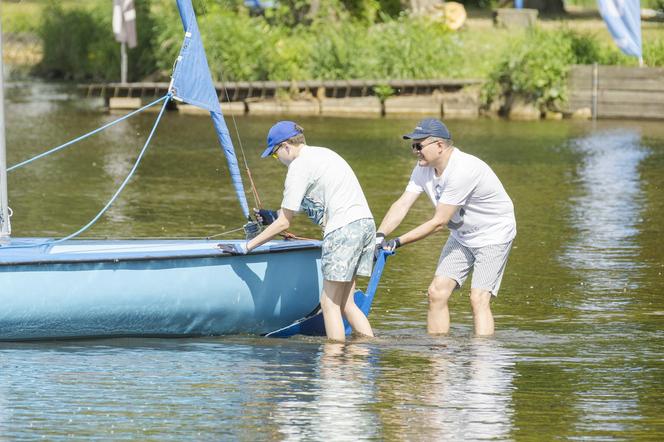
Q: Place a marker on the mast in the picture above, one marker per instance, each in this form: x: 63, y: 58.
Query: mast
x: 5, y: 229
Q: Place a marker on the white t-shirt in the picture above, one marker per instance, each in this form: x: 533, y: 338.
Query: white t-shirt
x: 323, y: 185
x: 486, y: 215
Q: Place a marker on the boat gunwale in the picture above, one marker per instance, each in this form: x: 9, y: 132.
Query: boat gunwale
x: 203, y: 254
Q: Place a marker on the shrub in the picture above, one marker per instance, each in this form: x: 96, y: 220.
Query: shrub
x: 535, y: 68
x: 585, y: 47
x: 409, y: 48
x: 79, y: 44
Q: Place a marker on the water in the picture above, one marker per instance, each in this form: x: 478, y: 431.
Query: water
x: 578, y: 351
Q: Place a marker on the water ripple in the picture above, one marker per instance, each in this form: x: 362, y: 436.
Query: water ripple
x: 606, y: 214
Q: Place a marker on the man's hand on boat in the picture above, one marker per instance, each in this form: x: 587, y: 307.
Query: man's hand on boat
x: 233, y: 249
x: 266, y: 216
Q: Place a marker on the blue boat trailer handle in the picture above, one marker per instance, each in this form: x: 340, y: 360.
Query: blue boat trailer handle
x: 313, y: 325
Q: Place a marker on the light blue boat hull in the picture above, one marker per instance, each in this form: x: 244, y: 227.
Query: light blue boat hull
x: 82, y: 289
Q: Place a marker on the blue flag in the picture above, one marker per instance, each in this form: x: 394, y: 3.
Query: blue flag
x: 623, y: 18
x: 192, y: 83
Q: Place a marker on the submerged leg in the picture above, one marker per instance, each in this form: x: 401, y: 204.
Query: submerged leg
x: 330, y: 301
x: 438, y: 316
x: 480, y: 300
x: 352, y: 312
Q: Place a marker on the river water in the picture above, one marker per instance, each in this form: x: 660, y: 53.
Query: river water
x: 579, y: 347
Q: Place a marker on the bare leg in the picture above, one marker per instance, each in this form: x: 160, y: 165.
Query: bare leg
x: 480, y: 300
x: 330, y: 301
x: 438, y: 316
x: 352, y: 312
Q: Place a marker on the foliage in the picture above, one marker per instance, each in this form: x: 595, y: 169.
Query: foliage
x: 585, y: 47
x: 653, y: 53
x: 534, y: 68
x: 383, y: 91
x: 242, y: 47
x: 79, y: 44
x: 344, y: 39
x: 390, y: 8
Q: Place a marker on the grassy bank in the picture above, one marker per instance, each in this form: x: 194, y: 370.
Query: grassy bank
x: 338, y: 43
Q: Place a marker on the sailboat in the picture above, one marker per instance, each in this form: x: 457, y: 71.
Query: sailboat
x: 71, y: 288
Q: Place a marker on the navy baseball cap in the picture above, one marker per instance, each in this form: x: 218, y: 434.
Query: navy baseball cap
x: 279, y: 133
x: 429, y: 127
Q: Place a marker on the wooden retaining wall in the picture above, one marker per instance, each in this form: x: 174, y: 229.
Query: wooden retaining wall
x: 617, y: 92
x: 265, y: 90
x: 450, y: 98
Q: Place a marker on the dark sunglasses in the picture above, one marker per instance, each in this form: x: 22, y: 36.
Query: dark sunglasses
x: 419, y: 146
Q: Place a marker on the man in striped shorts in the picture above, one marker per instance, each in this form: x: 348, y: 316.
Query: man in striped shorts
x: 470, y: 200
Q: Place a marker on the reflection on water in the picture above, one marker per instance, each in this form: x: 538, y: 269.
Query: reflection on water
x: 606, y: 255
x: 454, y: 390
x: 606, y: 214
x: 247, y: 388
x: 337, y: 406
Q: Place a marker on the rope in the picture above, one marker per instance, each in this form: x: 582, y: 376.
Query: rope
x: 225, y: 233
x: 117, y: 192
x: 285, y: 235
x: 89, y: 134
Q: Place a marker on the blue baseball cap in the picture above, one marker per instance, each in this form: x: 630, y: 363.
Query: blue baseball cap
x: 429, y: 127
x: 279, y: 133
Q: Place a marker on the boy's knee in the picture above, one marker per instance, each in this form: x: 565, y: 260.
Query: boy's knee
x: 326, y: 303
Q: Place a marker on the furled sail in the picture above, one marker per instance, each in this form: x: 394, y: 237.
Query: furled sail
x: 192, y: 84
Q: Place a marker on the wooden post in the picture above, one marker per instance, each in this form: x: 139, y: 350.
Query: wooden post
x: 123, y: 62
x: 594, y: 90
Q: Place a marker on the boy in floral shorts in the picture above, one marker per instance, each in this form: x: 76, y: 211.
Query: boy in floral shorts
x: 321, y: 183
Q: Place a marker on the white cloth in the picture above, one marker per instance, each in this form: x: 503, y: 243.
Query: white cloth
x: 124, y: 22
x: 322, y: 184
x: 486, y: 213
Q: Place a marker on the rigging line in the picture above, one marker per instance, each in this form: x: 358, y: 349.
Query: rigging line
x: 285, y: 235
x: 254, y: 191
x: 225, y: 233
x: 82, y: 137
x: 117, y: 192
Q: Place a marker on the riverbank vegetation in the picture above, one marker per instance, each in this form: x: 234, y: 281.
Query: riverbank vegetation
x: 332, y: 39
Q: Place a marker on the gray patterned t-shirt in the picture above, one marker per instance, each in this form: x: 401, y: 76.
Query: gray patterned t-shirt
x: 323, y: 185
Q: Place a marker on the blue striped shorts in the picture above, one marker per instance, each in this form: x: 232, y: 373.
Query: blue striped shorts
x: 487, y: 263
x: 348, y: 251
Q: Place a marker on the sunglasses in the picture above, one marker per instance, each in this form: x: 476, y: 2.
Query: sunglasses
x: 274, y: 152
x: 419, y: 146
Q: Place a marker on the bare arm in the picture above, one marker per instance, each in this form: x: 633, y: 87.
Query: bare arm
x: 441, y: 217
x: 282, y: 223
x: 397, y: 212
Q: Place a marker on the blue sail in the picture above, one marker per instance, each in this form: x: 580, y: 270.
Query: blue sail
x: 192, y: 84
